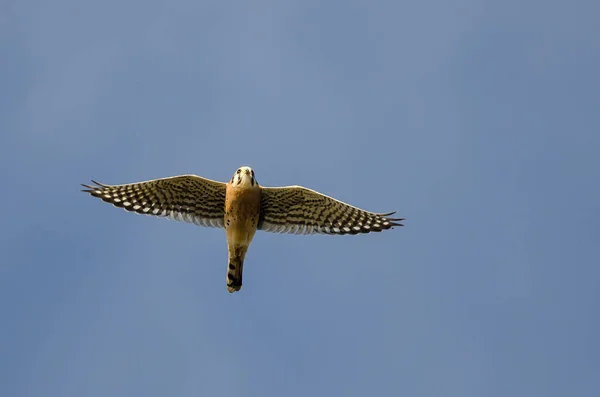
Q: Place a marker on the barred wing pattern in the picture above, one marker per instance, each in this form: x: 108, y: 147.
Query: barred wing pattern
x: 298, y: 210
x: 187, y: 198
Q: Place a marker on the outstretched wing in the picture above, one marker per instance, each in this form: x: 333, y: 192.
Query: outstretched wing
x: 187, y: 198
x: 298, y: 210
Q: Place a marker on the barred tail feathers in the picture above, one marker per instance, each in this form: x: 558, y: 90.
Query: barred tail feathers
x: 234, y: 271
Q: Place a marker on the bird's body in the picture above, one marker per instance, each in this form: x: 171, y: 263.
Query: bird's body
x: 242, y: 207
x: 242, y: 210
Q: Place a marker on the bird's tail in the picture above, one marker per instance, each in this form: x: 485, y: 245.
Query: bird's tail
x: 234, y: 273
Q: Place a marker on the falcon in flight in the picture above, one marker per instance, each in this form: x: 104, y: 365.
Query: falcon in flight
x: 242, y: 207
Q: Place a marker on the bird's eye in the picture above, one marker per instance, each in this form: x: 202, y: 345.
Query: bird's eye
x: 238, y: 171
x: 252, y: 172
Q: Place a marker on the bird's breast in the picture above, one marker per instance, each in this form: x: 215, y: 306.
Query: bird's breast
x: 242, y: 209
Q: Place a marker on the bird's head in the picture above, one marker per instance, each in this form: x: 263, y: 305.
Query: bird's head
x: 244, y: 176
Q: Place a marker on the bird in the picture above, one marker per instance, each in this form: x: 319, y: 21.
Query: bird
x: 241, y: 207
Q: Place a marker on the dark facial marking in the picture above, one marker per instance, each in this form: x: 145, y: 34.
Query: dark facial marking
x: 231, y: 266
x: 252, y: 180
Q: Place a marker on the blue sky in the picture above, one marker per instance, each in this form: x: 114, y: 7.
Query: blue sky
x: 477, y: 120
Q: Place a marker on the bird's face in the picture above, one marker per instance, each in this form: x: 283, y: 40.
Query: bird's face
x: 244, y: 176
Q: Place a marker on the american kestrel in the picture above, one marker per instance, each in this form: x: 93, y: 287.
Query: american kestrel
x: 242, y: 207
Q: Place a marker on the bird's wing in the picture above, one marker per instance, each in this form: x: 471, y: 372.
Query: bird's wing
x: 298, y: 210
x: 187, y: 198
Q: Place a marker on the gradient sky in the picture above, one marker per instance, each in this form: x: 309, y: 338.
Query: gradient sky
x: 478, y: 121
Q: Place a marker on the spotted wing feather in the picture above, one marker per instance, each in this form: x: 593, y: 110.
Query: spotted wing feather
x: 298, y: 210
x: 187, y: 198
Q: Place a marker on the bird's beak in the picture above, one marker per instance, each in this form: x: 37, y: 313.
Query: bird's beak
x: 246, y: 172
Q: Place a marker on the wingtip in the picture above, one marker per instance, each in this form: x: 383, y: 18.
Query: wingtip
x: 386, y: 214
x: 92, y: 189
x: 396, y: 222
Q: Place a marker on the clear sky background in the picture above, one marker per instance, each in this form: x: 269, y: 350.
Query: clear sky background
x: 479, y: 121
